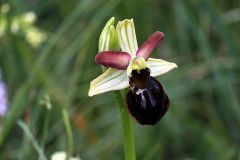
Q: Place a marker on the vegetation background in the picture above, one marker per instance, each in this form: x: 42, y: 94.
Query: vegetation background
x: 202, y: 37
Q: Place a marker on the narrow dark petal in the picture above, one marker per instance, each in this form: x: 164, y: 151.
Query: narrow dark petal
x: 147, y: 47
x: 113, y: 59
x: 148, y: 105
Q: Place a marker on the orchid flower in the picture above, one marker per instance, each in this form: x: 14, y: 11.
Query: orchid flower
x: 131, y: 66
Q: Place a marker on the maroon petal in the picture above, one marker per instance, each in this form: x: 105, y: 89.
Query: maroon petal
x: 147, y: 47
x: 113, y: 59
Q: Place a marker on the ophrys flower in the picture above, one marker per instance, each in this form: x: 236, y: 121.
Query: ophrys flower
x: 131, y: 66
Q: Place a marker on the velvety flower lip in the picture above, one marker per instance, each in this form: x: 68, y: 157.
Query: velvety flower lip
x: 121, y: 63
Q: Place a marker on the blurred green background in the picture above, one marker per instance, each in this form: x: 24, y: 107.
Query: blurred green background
x: 47, y: 59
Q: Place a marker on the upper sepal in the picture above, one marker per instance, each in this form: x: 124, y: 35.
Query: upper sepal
x: 127, y: 37
x: 108, y: 38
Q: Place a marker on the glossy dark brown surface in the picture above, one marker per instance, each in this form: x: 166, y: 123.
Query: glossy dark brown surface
x: 147, y: 104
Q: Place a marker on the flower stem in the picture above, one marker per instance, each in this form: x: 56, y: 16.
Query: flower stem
x: 128, y: 132
x: 69, y: 132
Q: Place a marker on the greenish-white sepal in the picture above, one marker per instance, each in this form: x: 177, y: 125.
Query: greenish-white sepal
x: 113, y: 43
x: 110, y: 80
x: 159, y: 66
x: 109, y: 41
x: 127, y: 37
x: 105, y: 35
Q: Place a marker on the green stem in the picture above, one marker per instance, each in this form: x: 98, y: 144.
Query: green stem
x: 69, y: 132
x: 45, y: 128
x: 128, y: 132
x: 35, y: 144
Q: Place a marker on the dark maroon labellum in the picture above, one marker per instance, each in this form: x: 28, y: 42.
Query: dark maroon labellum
x: 147, y: 102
